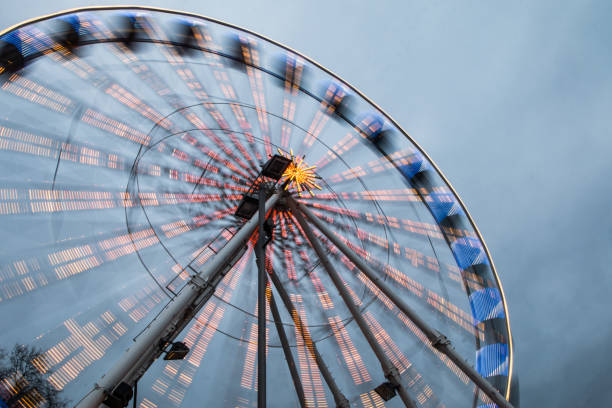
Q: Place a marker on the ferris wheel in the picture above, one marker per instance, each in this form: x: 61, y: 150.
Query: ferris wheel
x: 194, y: 214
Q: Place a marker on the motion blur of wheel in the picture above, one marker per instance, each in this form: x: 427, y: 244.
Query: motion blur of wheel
x: 128, y: 137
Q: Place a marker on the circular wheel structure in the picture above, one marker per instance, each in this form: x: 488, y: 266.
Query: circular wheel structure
x: 136, y: 146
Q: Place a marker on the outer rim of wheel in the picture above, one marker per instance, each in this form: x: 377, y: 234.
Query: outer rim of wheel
x: 354, y: 89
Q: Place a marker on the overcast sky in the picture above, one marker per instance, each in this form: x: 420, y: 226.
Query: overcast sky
x: 513, y: 100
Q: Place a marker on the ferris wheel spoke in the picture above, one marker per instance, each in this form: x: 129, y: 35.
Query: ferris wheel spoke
x: 351, y: 139
x: 332, y: 103
x: 307, y: 350
x: 418, y: 260
x: 38, y: 143
x: 70, y: 260
x: 389, y: 370
x: 346, y: 143
x: 105, y: 123
x: 419, y: 228
x: 398, y: 196
x: 377, y: 167
x: 414, y: 378
x: 353, y: 361
x: 316, y: 126
x: 206, y: 42
x: 37, y: 93
x: 172, y: 153
x: 99, y: 332
x: 250, y: 56
x: 298, y: 246
x: 280, y: 330
x: 359, y: 135
x: 202, y: 128
x: 293, y: 73
x: 178, y: 376
x: 95, y: 252
x: 156, y: 83
x: 224, y: 164
x: 40, y: 94
x: 26, y: 198
x: 287, y: 254
x: 352, y: 358
x: 439, y: 304
x: 248, y: 379
x: 148, y: 75
x: 295, y: 376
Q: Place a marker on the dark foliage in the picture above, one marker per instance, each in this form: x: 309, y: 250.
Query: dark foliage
x: 19, y: 369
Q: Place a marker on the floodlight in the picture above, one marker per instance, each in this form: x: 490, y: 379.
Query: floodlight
x: 247, y: 207
x: 120, y: 397
x: 177, y: 351
x: 386, y: 391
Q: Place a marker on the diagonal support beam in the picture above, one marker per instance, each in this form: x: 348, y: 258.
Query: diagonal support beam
x: 147, y: 347
x: 339, y: 398
x: 391, y: 372
x: 295, y: 376
x: 438, y: 340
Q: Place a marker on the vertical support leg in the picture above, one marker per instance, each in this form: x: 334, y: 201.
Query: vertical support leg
x: 339, y: 398
x: 390, y: 371
x: 261, y: 304
x: 135, y: 394
x: 439, y: 341
x: 295, y: 376
x: 173, y: 318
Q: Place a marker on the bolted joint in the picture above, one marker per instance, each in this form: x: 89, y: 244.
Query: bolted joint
x: 393, y: 376
x: 439, y: 340
x: 119, y: 397
x: 200, y: 282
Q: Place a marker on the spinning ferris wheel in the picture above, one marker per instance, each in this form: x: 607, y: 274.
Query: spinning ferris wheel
x: 193, y: 214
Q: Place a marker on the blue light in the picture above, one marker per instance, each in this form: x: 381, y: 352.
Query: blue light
x: 443, y: 206
x: 416, y: 165
x: 492, y: 360
x: 486, y: 304
x: 469, y: 252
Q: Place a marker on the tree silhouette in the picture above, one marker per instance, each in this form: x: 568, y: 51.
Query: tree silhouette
x: 21, y: 381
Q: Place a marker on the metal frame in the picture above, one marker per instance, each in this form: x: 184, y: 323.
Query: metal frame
x: 339, y: 398
x: 438, y: 340
x: 390, y: 372
x: 295, y: 376
x: 261, y: 302
x: 181, y: 310
x: 174, y: 317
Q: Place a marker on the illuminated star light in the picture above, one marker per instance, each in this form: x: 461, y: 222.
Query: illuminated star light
x: 299, y: 176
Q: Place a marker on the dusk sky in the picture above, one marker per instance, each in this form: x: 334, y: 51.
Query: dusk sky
x: 513, y: 101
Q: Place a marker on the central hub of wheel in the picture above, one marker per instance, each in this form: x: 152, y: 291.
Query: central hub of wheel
x: 299, y: 175
x: 265, y: 182
x: 293, y: 172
